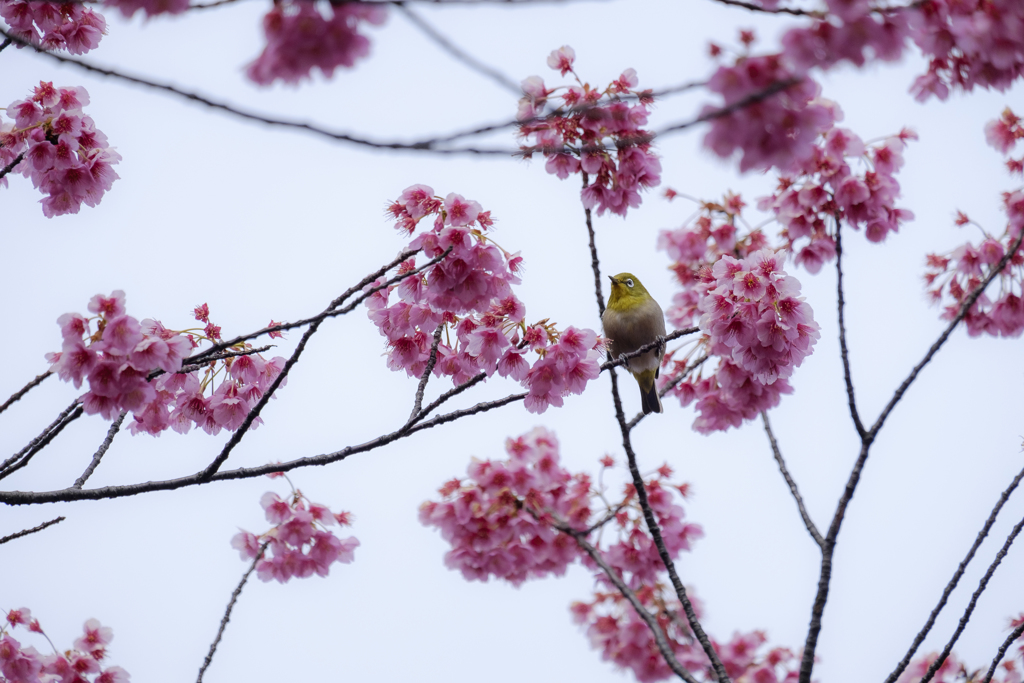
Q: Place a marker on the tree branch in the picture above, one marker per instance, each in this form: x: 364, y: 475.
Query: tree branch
x: 459, y: 54
x: 17, y: 160
x: 1014, y: 635
x: 227, y: 613
x: 33, y: 530
x: 659, y: 636
x: 843, y: 350
x: 595, y: 264
x: 669, y: 386
x: 974, y: 600
x: 956, y: 578
x: 16, y: 396
x: 808, y: 522
x: 622, y: 359
x: 111, y: 433
x: 21, y: 458
x: 778, y: 10
x: 418, y: 405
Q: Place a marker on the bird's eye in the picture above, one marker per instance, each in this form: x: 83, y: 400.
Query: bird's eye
x: 629, y: 282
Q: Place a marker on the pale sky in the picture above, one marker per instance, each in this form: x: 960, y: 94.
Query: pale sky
x: 267, y: 223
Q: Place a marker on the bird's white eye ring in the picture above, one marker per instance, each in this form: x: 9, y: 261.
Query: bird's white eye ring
x: 629, y: 282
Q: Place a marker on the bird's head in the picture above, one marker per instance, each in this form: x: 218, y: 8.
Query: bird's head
x: 627, y: 292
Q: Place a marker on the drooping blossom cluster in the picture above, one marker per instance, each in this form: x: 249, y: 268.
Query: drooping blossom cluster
x: 66, y: 157
x: 301, y: 542
x: 1003, y: 133
x: 752, y: 315
x: 596, y: 131
x: 499, y: 520
x: 300, y: 36
x: 137, y: 366
x: 469, y: 293
x: 69, y: 26
x: 82, y: 663
x: 951, y: 277
x: 825, y: 188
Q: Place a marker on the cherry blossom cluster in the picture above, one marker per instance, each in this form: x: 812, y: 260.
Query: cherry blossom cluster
x: 301, y: 542
x: 826, y: 189
x: 469, y: 293
x: 772, y: 112
x: 750, y: 311
x: 499, y: 519
x: 66, y: 157
x: 149, y: 7
x: 1003, y: 133
x: 951, y: 277
x: 137, y: 366
x: 83, y: 663
x: 66, y: 26
x: 300, y: 36
x: 952, y: 670
x: 596, y: 131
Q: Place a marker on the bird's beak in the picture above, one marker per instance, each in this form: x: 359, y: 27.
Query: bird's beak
x: 612, y: 278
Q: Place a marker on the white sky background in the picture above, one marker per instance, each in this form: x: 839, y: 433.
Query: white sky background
x: 266, y: 223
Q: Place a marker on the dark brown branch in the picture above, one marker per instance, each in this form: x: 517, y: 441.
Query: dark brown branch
x: 659, y: 636
x: 227, y: 613
x: 753, y: 98
x: 974, y: 601
x: 1014, y: 635
x: 778, y: 10
x: 19, y: 459
x: 24, y: 390
x: 215, y: 357
x: 625, y: 357
x: 808, y: 522
x: 454, y: 391
x: 109, y: 439
x: 4, y: 44
x: 956, y: 579
x: 478, y: 408
x: 595, y: 264
x: 843, y: 350
x: 460, y: 55
x: 418, y: 405
x: 17, y: 160
x: 33, y: 530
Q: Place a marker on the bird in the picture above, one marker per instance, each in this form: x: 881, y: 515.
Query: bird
x: 633, y: 318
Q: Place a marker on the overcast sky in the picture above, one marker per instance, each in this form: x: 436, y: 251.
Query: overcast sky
x: 267, y: 223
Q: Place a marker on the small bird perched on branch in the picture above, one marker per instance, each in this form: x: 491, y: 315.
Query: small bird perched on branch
x: 633, y: 318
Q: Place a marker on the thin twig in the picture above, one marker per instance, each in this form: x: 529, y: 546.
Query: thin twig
x: 956, y: 579
x: 418, y: 405
x: 55, y: 425
x: 33, y: 530
x: 843, y: 350
x: 1014, y: 635
x: 17, y: 160
x: 808, y: 522
x: 16, y: 396
x: 459, y: 54
x: 659, y: 635
x: 109, y: 439
x: 185, y: 369
x: 778, y: 10
x: 974, y: 600
x: 624, y: 358
x: 4, y: 44
x: 595, y: 265
x: 669, y: 386
x: 227, y: 613
x: 454, y: 391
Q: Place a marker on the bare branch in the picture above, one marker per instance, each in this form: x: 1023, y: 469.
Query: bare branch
x: 478, y: 408
x: 418, y: 405
x: 778, y: 10
x: 1014, y: 635
x: 21, y: 458
x: 16, y: 396
x: 109, y: 439
x: 33, y: 530
x: 595, y: 264
x: 17, y: 160
x: 659, y: 636
x: 974, y: 600
x: 4, y: 44
x: 808, y: 522
x: 956, y: 578
x: 459, y: 54
x: 454, y: 391
x: 843, y: 350
x: 622, y: 359
x: 227, y: 613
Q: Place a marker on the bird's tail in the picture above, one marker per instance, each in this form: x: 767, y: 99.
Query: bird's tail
x: 649, y: 399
